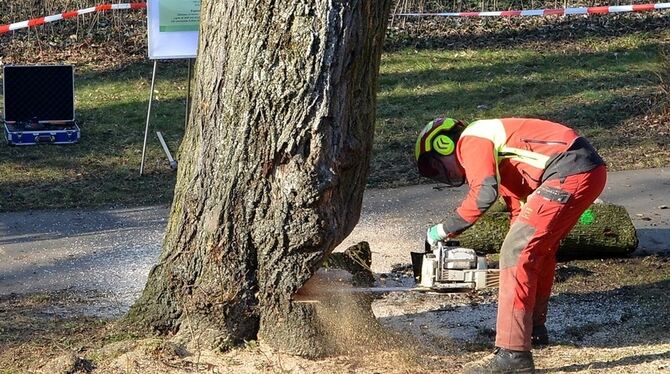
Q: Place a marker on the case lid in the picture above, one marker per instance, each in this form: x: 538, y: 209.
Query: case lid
x: 41, y: 92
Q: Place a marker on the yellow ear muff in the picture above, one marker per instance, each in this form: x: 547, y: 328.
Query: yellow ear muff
x: 443, y: 145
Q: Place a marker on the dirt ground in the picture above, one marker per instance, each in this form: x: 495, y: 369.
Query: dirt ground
x: 606, y: 316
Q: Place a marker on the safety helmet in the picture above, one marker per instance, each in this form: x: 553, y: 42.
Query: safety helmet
x: 435, y: 151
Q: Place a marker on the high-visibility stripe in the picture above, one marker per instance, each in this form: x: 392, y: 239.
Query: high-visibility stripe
x: 533, y: 159
x: 494, y: 130
x: 491, y: 129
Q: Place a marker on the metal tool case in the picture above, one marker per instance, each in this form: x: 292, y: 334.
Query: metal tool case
x: 39, y: 105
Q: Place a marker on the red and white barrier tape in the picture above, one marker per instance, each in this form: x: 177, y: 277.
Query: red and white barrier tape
x: 504, y: 13
x: 67, y: 15
x: 549, y: 12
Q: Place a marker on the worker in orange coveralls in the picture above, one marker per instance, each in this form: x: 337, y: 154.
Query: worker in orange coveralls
x: 548, y: 176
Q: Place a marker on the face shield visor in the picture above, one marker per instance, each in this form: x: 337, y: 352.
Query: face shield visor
x: 443, y: 169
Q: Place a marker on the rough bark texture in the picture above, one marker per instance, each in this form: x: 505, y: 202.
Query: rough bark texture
x: 610, y: 234
x: 272, y: 168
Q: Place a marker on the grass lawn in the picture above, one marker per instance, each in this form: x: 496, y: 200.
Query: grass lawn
x: 598, y: 86
x: 103, y: 169
x: 605, y: 87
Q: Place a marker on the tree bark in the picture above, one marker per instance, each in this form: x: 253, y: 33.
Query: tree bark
x: 272, y: 169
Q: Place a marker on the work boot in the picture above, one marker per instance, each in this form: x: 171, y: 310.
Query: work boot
x: 540, y: 336
x: 502, y: 361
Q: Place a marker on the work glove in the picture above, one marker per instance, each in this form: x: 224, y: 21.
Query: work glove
x: 436, y: 234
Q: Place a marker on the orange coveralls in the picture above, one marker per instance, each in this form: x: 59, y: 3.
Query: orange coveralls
x: 548, y: 176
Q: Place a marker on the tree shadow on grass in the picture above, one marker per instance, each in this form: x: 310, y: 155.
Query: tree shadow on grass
x: 599, y: 121
x: 98, y: 186
x: 600, y: 97
x: 450, y: 67
x: 518, y: 82
x: 108, y: 130
x: 103, y: 168
x: 588, y: 114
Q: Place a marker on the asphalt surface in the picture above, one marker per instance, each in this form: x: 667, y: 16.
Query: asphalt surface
x: 110, y: 252
x: 395, y: 221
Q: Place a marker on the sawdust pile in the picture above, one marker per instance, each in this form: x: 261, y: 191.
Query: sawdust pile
x: 353, y: 331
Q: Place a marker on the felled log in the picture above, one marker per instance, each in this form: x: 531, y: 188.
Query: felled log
x: 609, y: 232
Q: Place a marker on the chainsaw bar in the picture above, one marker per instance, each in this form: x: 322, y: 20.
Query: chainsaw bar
x: 315, y: 297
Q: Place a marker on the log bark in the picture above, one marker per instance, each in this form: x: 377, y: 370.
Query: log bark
x: 272, y: 169
x: 610, y: 234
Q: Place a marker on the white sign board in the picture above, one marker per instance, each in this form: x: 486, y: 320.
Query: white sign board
x: 173, y: 28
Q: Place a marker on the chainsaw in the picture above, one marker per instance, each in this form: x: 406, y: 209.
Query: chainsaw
x: 446, y: 267
x: 450, y: 267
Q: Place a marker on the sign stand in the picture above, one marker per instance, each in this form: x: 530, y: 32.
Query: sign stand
x: 151, y: 99
x: 146, y: 128
x: 172, y: 30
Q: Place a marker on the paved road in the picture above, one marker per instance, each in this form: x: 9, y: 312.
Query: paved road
x: 107, y: 251
x: 111, y: 251
x: 397, y: 218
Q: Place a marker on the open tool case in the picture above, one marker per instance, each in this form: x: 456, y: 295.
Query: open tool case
x: 39, y: 105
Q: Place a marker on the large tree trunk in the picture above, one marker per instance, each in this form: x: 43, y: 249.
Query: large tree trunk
x: 272, y: 168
